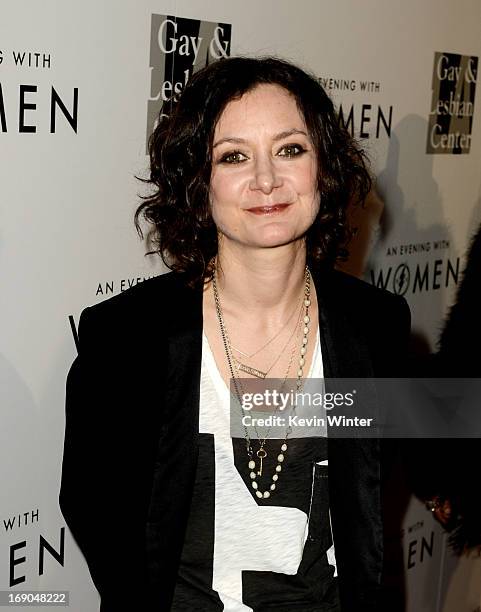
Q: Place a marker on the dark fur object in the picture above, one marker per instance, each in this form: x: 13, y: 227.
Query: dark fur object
x: 459, y: 355
x: 460, y: 342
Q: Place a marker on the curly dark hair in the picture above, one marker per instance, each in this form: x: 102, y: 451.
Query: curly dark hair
x: 180, y: 148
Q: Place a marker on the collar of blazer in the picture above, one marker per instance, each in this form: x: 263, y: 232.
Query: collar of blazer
x: 344, y: 347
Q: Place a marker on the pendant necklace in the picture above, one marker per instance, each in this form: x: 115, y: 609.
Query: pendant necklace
x: 261, y: 453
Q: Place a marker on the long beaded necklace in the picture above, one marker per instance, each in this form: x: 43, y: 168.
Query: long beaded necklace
x: 261, y: 452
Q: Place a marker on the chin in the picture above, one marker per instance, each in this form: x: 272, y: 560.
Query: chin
x: 273, y: 239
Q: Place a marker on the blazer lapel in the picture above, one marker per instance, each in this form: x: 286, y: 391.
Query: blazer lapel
x: 344, y: 348
x: 354, y: 463
x: 175, y: 466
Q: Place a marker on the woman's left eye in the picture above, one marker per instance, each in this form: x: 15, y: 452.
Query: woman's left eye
x: 291, y: 150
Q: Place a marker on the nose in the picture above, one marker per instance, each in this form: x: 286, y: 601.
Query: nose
x: 265, y: 176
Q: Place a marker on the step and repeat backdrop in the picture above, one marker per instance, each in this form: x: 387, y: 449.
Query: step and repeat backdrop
x: 81, y: 87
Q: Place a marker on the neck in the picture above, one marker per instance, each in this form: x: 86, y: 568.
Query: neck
x: 261, y: 281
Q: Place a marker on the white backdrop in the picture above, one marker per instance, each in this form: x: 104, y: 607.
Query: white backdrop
x: 67, y: 198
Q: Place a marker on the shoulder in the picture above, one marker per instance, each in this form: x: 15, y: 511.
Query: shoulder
x: 146, y: 306
x: 157, y: 293
x: 380, y: 318
x: 357, y: 296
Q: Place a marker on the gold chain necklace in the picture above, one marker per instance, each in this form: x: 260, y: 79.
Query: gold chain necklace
x: 261, y: 452
x: 242, y: 367
x: 269, y: 341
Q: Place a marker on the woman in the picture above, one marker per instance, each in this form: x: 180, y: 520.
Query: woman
x: 252, y: 177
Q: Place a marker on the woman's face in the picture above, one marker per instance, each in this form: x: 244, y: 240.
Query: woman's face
x: 263, y: 188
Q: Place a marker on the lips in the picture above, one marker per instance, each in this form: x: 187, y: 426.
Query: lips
x: 268, y: 210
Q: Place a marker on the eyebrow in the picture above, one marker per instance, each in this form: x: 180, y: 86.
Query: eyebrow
x: 280, y: 136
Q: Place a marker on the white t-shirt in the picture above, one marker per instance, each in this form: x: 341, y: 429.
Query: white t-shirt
x: 254, y: 548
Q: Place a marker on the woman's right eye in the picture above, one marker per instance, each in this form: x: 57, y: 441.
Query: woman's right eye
x: 234, y: 157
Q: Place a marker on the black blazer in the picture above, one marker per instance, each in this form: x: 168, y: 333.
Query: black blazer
x: 132, y: 411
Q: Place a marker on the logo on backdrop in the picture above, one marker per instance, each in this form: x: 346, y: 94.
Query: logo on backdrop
x: 417, y: 268
x: 452, y: 106
x: 357, y: 110
x: 178, y: 48
x: 418, y: 544
x: 30, y: 554
x: 31, y: 106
